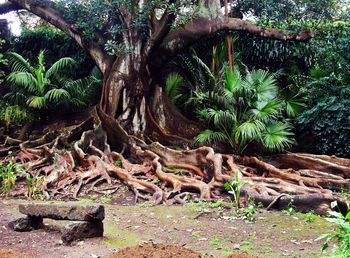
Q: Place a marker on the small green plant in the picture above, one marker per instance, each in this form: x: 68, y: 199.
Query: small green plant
x: 342, y: 236
x: 260, y: 205
x: 105, y: 199
x: 34, y: 184
x: 8, y: 175
x: 290, y: 210
x: 235, y: 187
x: 310, y: 217
x: 214, y: 242
x: 247, y: 213
x: 118, y: 163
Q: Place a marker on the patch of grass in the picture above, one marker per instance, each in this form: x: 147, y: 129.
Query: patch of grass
x: 105, y: 199
x: 214, y: 242
x: 310, y: 217
x: 85, y: 201
x: 202, y: 205
x: 226, y: 252
x: 246, y: 246
x: 119, y: 238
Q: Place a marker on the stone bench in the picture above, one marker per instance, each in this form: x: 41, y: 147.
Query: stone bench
x: 88, y: 219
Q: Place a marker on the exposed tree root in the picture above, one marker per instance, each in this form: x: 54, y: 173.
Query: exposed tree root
x: 71, y: 157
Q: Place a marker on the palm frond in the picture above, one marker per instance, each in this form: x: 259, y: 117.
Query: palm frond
x: 59, y: 66
x: 56, y: 95
x: 220, y: 118
x: 24, y: 80
x: 266, y: 110
x: 294, y: 103
x: 210, y: 136
x: 211, y: 77
x: 233, y: 80
x: 263, y: 83
x: 249, y: 130
x: 18, y: 63
x: 278, y: 137
x: 37, y: 102
x: 172, y: 86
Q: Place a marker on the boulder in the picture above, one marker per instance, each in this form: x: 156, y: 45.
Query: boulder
x: 26, y: 224
x: 79, y: 212
x: 81, y: 230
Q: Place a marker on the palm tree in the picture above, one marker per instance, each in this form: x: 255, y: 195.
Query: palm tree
x: 243, y: 110
x: 47, y: 89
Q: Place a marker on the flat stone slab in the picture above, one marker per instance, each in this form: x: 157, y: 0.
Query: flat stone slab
x: 80, y: 212
x: 81, y: 230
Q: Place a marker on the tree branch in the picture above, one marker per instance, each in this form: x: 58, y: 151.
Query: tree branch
x: 45, y: 11
x: 201, y: 27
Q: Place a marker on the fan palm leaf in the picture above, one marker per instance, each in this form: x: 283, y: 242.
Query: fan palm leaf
x: 263, y: 83
x: 249, y: 130
x: 277, y: 136
x: 266, y: 110
x: 294, y: 103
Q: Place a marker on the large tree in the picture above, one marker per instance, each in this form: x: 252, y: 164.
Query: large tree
x: 130, y: 41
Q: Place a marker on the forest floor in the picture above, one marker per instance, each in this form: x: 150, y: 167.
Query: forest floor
x: 210, y: 229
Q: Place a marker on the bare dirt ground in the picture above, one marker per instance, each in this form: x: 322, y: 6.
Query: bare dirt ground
x: 208, y: 229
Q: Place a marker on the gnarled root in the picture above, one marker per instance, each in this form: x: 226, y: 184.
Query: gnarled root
x: 75, y: 156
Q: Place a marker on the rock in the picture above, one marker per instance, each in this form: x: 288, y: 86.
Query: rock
x: 26, y: 224
x: 81, y: 212
x: 81, y: 230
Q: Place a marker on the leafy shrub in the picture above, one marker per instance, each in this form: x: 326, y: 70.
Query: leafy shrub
x: 245, y: 109
x: 342, y: 236
x: 239, y: 108
x: 15, y: 115
x: 41, y: 88
x: 8, y: 175
x: 3, y: 62
x: 324, y: 129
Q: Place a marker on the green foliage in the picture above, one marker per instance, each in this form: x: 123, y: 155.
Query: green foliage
x: 290, y: 210
x: 238, y: 108
x: 8, y: 175
x: 106, y: 199
x: 234, y: 188
x: 118, y: 163
x: 242, y: 110
x: 34, y: 184
x: 113, y: 19
x: 324, y: 128
x: 3, y: 62
x: 42, y: 88
x: 342, y: 236
x: 15, y: 114
x: 56, y: 45
x: 173, y: 85
x: 310, y: 217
